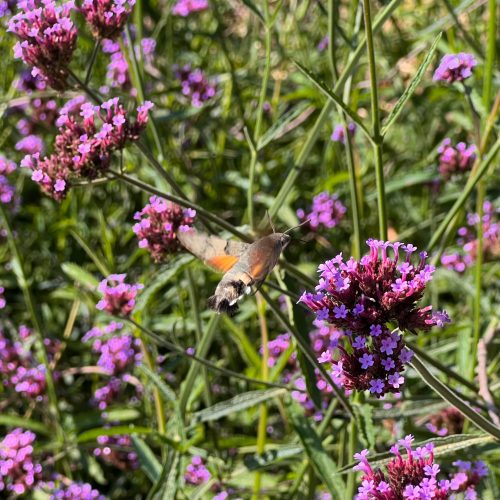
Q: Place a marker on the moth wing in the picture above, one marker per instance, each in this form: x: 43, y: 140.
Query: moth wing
x: 215, y: 252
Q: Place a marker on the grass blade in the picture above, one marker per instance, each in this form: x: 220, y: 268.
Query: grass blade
x: 149, y: 463
x: 324, y: 465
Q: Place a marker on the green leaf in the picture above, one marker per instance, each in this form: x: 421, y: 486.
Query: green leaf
x: 442, y: 446
x: 254, y: 9
x: 166, y: 392
x: 365, y: 412
x: 15, y: 421
x: 169, y: 492
x: 160, y: 279
x: 334, y: 97
x: 98, y: 261
x: 323, y: 464
x: 396, y: 111
x: 80, y: 276
x: 92, y: 434
x: 280, y: 127
x: 149, y: 462
x: 236, y: 404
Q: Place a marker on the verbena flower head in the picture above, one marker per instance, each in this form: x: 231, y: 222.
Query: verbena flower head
x: 157, y: 226
x: 85, y: 143
x: 455, y: 160
x: 30, y: 382
x: 338, y: 134
x: 107, y: 17
x: 185, y: 7
x: 467, y: 241
x: 455, y: 67
x: 117, y: 451
x: 19, y: 472
x: 413, y: 475
x: 30, y: 144
x: 118, y: 296
x: 194, y: 85
x: 76, y: 491
x: 47, y: 39
x: 363, y: 298
x: 196, y: 472
x: 323, y: 44
x: 327, y: 210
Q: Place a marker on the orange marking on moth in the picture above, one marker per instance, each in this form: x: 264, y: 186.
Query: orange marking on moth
x: 256, y: 270
x: 223, y: 262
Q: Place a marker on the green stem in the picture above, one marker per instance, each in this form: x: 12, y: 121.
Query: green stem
x: 377, y: 139
x: 18, y: 265
x: 481, y: 171
x: 93, y: 57
x: 259, y: 117
x: 264, y: 373
x: 490, y: 53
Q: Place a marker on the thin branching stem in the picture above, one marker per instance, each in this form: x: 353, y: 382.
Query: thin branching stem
x: 92, y: 60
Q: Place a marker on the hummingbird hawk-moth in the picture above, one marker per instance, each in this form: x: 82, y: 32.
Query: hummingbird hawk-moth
x: 244, y: 264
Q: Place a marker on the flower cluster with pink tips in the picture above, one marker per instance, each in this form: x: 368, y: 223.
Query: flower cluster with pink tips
x: 455, y: 160
x: 157, y: 226
x: 47, y: 39
x: 185, y: 7
x: 413, y: 476
x: 455, y: 67
x: 118, y: 297
x: 194, y: 85
x: 85, y: 143
x: 107, y: 17
x: 327, y: 211
x: 19, y: 472
x: 118, y: 353
x: 76, y: 491
x: 362, y: 298
x: 196, y: 472
x: 468, y: 243
x: 19, y: 370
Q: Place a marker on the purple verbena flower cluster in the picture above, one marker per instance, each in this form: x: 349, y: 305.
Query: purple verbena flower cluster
x: 455, y: 67
x: 7, y: 190
x: 327, y: 210
x: 413, y: 476
x: 467, y: 240
x: 84, y: 145
x: 118, y: 296
x: 47, y: 39
x: 157, y: 226
x: 118, y: 73
x: 19, y: 472
x: 323, y: 44
x: 362, y: 298
x: 185, y: 7
x: 76, y: 491
x: 107, y: 17
x: 117, y: 451
x: 455, y: 160
x: 338, y: 134
x: 196, y: 472
x: 19, y: 370
x: 194, y: 85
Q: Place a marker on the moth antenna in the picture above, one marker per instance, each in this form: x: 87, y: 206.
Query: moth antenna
x: 270, y: 221
x: 296, y: 227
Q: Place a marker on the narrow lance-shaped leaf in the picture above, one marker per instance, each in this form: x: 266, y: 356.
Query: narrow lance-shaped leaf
x: 236, y: 404
x: 149, y: 463
x: 324, y: 465
x: 396, y: 111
